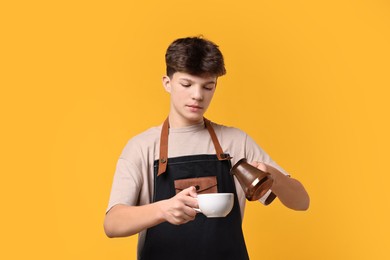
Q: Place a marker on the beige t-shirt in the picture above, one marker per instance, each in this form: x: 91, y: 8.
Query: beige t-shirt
x: 133, y: 179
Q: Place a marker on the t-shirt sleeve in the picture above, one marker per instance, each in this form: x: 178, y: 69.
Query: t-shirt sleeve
x: 126, y: 184
x: 253, y: 152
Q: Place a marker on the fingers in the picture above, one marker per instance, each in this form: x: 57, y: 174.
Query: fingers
x: 188, y: 197
x: 181, y: 215
x: 189, y: 213
x: 261, y: 166
x: 254, y: 164
x: 191, y: 191
x: 269, y: 169
x: 181, y: 207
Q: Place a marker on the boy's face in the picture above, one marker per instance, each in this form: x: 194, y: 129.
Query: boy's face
x: 190, y: 97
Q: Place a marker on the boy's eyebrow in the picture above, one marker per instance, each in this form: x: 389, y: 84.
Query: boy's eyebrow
x: 208, y: 82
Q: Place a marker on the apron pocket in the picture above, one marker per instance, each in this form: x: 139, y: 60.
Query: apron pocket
x: 202, y: 184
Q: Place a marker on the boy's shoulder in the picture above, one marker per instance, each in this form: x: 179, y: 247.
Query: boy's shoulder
x: 142, y: 141
x: 227, y: 130
x: 148, y: 135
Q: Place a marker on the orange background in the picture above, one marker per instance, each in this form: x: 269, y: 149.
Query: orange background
x: 308, y: 80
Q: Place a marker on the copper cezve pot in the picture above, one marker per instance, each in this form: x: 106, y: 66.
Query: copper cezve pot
x: 254, y: 181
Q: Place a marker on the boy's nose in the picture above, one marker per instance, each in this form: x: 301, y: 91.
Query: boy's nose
x: 197, y: 94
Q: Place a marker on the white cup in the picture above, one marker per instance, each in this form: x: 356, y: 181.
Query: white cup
x: 215, y: 205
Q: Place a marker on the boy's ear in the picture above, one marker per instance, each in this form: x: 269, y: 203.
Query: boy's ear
x: 167, y: 83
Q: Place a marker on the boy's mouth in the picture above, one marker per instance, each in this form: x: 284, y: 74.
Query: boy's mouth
x: 194, y: 108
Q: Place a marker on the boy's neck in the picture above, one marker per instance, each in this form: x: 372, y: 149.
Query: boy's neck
x: 173, y: 123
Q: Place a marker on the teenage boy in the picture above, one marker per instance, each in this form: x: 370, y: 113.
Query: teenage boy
x: 148, y: 196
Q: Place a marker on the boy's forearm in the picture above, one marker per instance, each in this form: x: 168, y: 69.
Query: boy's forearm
x: 290, y: 191
x: 123, y: 220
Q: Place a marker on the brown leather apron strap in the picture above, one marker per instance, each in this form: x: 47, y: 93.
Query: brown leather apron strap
x: 163, y: 161
x: 220, y: 154
x: 162, y: 164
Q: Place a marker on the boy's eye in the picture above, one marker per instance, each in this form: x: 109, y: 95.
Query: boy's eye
x: 185, y: 85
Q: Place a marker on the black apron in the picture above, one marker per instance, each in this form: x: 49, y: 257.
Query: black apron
x: 203, y: 238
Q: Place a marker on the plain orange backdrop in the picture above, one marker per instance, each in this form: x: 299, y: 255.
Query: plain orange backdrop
x: 308, y: 80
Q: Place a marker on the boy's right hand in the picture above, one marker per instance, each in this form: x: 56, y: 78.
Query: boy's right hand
x: 180, y: 208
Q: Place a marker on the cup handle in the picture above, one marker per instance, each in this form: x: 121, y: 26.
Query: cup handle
x: 197, y: 210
